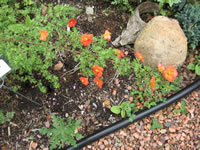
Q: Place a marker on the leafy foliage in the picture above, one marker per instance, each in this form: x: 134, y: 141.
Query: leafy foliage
x: 170, y: 2
x: 189, y: 19
x: 143, y: 92
x: 19, y: 37
x: 62, y: 133
x: 156, y: 125
x: 125, y: 109
x: 182, y: 108
x: 195, y: 66
x: 7, y: 117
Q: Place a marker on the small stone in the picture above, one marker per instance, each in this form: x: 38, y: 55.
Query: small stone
x: 167, y: 124
x: 114, y: 92
x: 47, y: 124
x: 102, y: 147
x: 172, y: 130
x: 126, y: 91
x: 126, y: 96
x: 136, y: 135
x: 129, y: 88
x: 33, y: 145
x: 90, y: 10
x: 163, y: 131
x: 131, y: 99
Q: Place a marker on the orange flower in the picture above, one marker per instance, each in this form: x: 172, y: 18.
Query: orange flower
x: 98, y: 82
x: 43, y: 35
x: 153, y: 83
x: 98, y: 70
x: 84, y: 80
x: 120, y: 53
x: 107, y: 35
x: 161, y: 67
x: 138, y: 104
x: 170, y: 73
x: 72, y: 22
x: 86, y: 39
x: 139, y: 56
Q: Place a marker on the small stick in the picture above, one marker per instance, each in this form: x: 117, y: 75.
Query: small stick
x: 76, y: 68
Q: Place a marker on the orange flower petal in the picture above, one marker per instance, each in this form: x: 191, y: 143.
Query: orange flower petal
x: 139, y: 56
x: 43, y: 35
x: 98, y: 82
x: 153, y: 83
x: 84, y: 80
x: 161, y: 67
x: 72, y: 22
x: 170, y: 73
x: 120, y: 53
x: 86, y: 39
x: 107, y: 35
x: 98, y: 71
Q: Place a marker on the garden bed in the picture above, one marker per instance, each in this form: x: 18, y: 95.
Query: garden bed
x: 89, y: 104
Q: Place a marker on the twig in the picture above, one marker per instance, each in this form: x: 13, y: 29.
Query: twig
x: 76, y: 68
x: 114, y: 77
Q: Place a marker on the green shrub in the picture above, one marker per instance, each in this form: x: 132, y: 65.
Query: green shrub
x: 5, y: 117
x: 189, y: 20
x: 62, y: 133
x: 195, y: 66
x: 29, y: 57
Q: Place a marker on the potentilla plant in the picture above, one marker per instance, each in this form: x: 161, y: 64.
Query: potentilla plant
x: 152, y: 86
x: 27, y: 39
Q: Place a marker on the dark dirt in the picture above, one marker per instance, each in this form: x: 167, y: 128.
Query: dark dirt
x: 72, y: 98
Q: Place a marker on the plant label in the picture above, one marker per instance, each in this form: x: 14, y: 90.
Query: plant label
x: 4, y: 68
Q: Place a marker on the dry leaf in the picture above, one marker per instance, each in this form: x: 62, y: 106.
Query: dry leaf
x: 34, y: 145
x: 44, y: 11
x: 58, y: 66
x: 114, y: 92
x: 47, y: 124
x: 107, y: 102
x: 172, y: 130
x: 163, y: 131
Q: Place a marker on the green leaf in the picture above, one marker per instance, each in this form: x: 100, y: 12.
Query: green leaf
x: 115, y: 109
x: 197, y: 69
x: 156, y: 125
x: 16, y: 28
x: 123, y: 113
x: 28, y: 21
x: 191, y: 67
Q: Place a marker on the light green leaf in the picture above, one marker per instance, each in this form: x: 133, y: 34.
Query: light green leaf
x: 28, y: 21
x: 17, y: 28
x: 156, y: 125
x: 191, y: 67
x: 197, y: 69
x: 115, y: 109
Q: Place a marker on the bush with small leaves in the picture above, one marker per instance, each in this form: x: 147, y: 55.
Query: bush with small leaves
x: 189, y: 19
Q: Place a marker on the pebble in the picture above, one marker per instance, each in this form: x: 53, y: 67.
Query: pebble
x: 102, y: 146
x: 167, y: 124
x: 90, y: 10
x: 126, y: 91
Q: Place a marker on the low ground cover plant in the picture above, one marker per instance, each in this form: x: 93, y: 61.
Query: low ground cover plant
x: 5, y: 117
x: 62, y: 132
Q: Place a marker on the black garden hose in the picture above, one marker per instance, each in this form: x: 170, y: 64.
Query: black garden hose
x: 125, y: 122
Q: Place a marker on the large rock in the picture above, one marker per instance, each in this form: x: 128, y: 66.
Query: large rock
x: 162, y: 40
